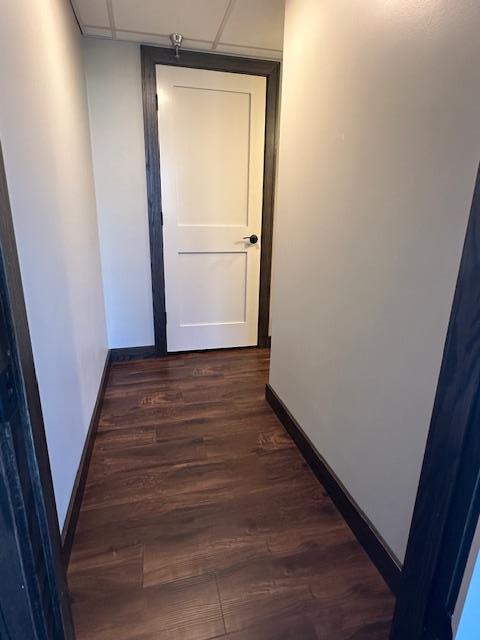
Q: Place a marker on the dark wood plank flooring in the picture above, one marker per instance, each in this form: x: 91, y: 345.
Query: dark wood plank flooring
x: 201, y: 520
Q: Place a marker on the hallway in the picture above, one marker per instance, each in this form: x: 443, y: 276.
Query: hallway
x: 201, y: 520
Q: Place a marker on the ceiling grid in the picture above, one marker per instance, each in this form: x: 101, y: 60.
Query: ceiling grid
x: 111, y: 19
x: 241, y: 27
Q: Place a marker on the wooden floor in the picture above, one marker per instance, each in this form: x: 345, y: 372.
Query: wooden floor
x: 201, y: 520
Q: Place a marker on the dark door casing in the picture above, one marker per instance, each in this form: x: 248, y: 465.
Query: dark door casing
x: 448, y: 499
x: 152, y: 56
x: 34, y: 601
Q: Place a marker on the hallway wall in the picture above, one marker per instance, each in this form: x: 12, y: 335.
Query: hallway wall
x: 116, y: 120
x: 379, y: 147
x: 46, y: 142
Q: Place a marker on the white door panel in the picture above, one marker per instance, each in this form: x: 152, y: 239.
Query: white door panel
x: 211, y: 134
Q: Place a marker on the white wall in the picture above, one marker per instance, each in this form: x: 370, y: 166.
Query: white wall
x: 116, y: 119
x: 379, y: 146
x: 46, y: 144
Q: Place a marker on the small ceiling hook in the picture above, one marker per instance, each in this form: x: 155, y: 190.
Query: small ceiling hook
x: 176, y: 40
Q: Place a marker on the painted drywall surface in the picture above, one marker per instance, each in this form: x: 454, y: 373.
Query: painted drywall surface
x: 379, y: 146
x: 116, y: 118
x: 466, y: 617
x: 45, y: 137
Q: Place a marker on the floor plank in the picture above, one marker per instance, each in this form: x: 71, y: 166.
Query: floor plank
x: 201, y: 520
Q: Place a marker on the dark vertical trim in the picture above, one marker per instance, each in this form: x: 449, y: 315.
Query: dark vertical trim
x: 154, y: 195
x: 457, y: 541
x: 78, y: 490
x: 362, y: 528
x: 269, y: 175
x: 38, y: 453
x: 446, y: 507
x: 151, y: 56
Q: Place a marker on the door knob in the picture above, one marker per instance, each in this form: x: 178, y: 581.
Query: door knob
x: 253, y: 238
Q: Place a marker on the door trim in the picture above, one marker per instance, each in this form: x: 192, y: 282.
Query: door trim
x: 50, y: 563
x: 152, y: 56
x: 448, y: 499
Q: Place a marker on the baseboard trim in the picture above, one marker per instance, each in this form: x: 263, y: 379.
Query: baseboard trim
x: 125, y: 354
x: 264, y: 342
x: 71, y: 519
x: 364, y: 531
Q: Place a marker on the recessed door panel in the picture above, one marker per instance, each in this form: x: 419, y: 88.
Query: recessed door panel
x: 212, y: 288
x: 212, y: 149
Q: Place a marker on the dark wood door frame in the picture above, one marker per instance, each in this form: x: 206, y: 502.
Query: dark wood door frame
x: 152, y: 56
x: 448, y: 499
x: 24, y: 461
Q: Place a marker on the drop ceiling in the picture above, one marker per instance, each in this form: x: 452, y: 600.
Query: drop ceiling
x: 242, y: 27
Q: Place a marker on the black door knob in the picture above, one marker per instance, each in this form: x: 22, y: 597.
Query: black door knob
x: 253, y: 238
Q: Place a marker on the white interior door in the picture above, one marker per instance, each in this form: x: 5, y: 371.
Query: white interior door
x: 211, y: 133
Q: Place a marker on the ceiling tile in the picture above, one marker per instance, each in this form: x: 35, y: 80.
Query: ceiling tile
x: 198, y: 19
x: 92, y: 12
x: 256, y: 23
x: 196, y: 45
